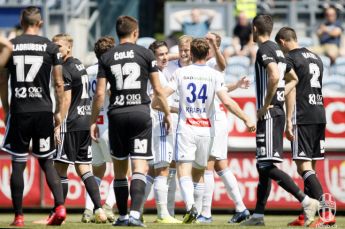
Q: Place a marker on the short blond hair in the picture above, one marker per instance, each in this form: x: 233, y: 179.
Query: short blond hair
x: 184, y: 39
x: 64, y: 37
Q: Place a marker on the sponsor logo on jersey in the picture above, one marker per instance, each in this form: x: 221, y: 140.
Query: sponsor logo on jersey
x: 265, y: 57
x: 133, y: 99
x: 20, y: 92
x: 80, y: 67
x: 84, y: 110
x: 280, y: 96
x: 302, y: 154
x: 119, y: 100
x: 31, y: 92
x: 315, y: 99
x: 199, y: 122
x: 35, y: 92
x: 280, y: 53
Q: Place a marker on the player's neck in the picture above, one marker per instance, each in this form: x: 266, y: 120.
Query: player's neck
x: 200, y: 62
x: 127, y: 40
x: 262, y: 39
x: 32, y: 30
x: 183, y: 63
x: 66, y: 57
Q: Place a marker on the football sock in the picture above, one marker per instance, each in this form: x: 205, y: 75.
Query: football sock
x: 110, y: 201
x: 286, y: 182
x: 232, y: 188
x: 208, y: 193
x: 263, y: 190
x: 88, y: 202
x: 17, y: 186
x: 64, y: 183
x: 199, y: 189
x: 313, y: 184
x: 186, y: 185
x: 148, y: 188
x: 92, y: 188
x: 171, y: 191
x: 53, y: 180
x: 137, y: 192
x: 161, y: 196
x: 121, y: 195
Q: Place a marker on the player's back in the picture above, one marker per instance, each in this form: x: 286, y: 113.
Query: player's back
x: 30, y: 67
x: 127, y: 68
x: 309, y: 100
x: 196, y: 86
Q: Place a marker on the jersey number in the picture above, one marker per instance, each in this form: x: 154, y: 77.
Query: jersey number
x: 21, y: 61
x: 132, y: 70
x: 314, y: 70
x: 85, y: 82
x: 202, y: 94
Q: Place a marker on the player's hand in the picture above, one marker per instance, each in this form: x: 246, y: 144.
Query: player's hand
x: 94, y: 132
x: 211, y: 38
x: 243, y: 83
x: 288, y: 130
x: 57, y: 125
x: 250, y: 125
x: 167, y: 123
x: 262, y: 111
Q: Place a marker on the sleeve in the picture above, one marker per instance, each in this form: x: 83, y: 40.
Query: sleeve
x: 102, y: 69
x: 67, y: 78
x: 152, y: 63
x: 55, y: 54
x: 220, y: 86
x: 289, y: 63
x: 173, y: 81
x: 266, y: 56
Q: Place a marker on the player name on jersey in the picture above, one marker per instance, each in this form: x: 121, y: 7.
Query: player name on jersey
x: 30, y: 47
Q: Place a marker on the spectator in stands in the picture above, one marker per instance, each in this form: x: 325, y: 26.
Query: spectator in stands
x: 199, y: 24
x: 242, y: 42
x: 329, y: 33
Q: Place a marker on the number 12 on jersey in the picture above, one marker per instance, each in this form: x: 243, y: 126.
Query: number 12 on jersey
x: 197, y: 93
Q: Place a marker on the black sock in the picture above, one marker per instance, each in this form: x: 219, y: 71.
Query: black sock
x: 64, y: 182
x: 121, y: 195
x: 312, y: 184
x: 92, y: 189
x: 137, y: 191
x: 286, y: 182
x: 53, y: 180
x: 17, y: 186
x: 264, y: 189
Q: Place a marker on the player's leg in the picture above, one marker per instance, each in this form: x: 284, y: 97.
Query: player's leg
x: 149, y: 183
x: 199, y: 185
x: 205, y: 215
x: 172, y: 188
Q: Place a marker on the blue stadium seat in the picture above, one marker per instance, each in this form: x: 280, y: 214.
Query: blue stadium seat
x: 145, y: 41
x: 305, y: 42
x: 339, y: 66
x: 334, y: 82
x: 326, y: 65
x: 226, y: 42
x: 237, y: 66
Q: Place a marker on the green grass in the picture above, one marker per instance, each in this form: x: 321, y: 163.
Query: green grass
x: 220, y: 221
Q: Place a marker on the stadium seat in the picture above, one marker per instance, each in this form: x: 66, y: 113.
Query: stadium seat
x: 339, y: 66
x: 334, y: 82
x: 326, y: 65
x: 226, y: 42
x: 145, y: 41
x: 237, y: 66
x: 305, y: 42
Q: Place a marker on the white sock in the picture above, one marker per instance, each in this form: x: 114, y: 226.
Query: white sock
x: 256, y: 215
x: 88, y: 202
x: 187, y: 191
x: 171, y: 191
x: 306, y: 201
x: 123, y: 217
x: 134, y: 214
x: 111, y: 201
x: 161, y: 196
x: 199, y: 189
x: 232, y: 188
x: 208, y: 194
x: 148, y: 188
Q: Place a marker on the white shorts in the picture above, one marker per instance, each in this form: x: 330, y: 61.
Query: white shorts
x: 101, y: 150
x: 194, y: 149
x: 220, y: 142
x: 162, y: 150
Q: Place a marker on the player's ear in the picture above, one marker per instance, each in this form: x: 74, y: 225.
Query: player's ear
x: 40, y: 24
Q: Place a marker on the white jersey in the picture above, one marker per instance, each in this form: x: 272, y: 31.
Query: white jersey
x: 102, y: 120
x: 168, y: 73
x: 158, y: 128
x: 197, y: 86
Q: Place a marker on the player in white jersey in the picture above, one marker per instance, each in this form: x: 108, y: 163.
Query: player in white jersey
x: 100, y: 149
x: 218, y: 158
x: 197, y: 86
x: 183, y: 60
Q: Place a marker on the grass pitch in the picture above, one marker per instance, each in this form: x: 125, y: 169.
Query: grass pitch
x: 219, y: 221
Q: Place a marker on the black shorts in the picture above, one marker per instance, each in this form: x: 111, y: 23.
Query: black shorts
x: 24, y: 127
x: 75, y: 148
x: 130, y: 135
x: 269, y: 139
x: 309, y: 143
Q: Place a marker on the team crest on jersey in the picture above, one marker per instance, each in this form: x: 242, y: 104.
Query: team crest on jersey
x: 140, y: 146
x: 44, y: 144
x: 154, y: 63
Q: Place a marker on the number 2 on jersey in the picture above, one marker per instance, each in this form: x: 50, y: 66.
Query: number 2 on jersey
x: 202, y: 94
x: 314, y: 70
x: 132, y: 70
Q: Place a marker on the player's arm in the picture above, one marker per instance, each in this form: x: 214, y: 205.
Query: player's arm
x: 173, y: 56
x: 221, y: 62
x: 233, y: 107
x: 243, y: 83
x: 290, y: 101
x: 4, y: 76
x: 59, y: 91
x: 291, y: 81
x: 97, y: 103
x: 160, y: 96
x: 272, y: 85
x: 5, y: 52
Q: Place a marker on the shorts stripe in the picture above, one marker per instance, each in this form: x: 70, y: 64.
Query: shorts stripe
x: 14, y: 153
x: 295, y: 142
x: 7, y: 128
